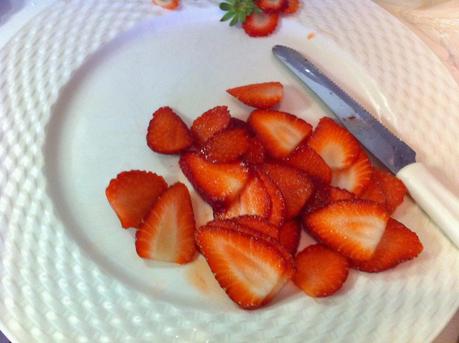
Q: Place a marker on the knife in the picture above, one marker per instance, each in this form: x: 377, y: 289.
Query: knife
x: 433, y: 197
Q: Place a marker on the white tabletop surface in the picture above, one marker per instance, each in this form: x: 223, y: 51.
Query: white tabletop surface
x: 14, y: 14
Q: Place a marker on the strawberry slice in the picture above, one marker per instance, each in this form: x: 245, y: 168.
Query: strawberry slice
x: 398, y: 244
x: 320, y: 272
x: 132, y: 193
x: 289, y: 236
x: 260, y: 24
x: 251, y: 267
x: 260, y: 95
x: 334, y: 144
x: 226, y: 146
x: 295, y: 186
x: 394, y: 189
x: 167, y: 133
x: 168, y: 231
x: 218, y: 184
x: 279, y: 132
x: 351, y: 227
x: 374, y: 190
x: 253, y: 200
x: 167, y: 4
x: 292, y: 7
x: 306, y: 159
x: 258, y: 224
x: 254, y: 223
x: 255, y: 154
x: 209, y: 123
x: 272, y: 5
x: 278, y: 207
x: 355, y: 177
x: 337, y: 194
x: 324, y: 195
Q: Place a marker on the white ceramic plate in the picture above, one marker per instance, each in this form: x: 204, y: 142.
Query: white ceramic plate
x: 79, y: 84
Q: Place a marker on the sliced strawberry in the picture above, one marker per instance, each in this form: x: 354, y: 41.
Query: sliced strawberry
x: 320, y: 272
x: 306, y: 159
x: 324, y: 195
x: 337, y: 194
x: 374, y: 190
x: 279, y: 132
x: 292, y: 7
x: 250, y: 267
x: 167, y: 133
x: 253, y: 200
x: 394, y: 189
x: 294, y: 184
x: 398, y: 244
x: 218, y: 184
x: 258, y: 224
x: 278, y: 207
x: 272, y: 5
x: 168, y: 231
x: 167, y: 4
x: 210, y: 122
x: 132, y: 193
x: 334, y: 144
x: 256, y: 152
x: 351, y: 227
x: 260, y: 95
x: 255, y: 223
x: 260, y: 24
x: 289, y: 236
x: 355, y: 177
x: 226, y: 146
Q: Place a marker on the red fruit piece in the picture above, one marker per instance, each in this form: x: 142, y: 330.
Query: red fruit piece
x: 210, y: 122
x: 374, y: 190
x: 249, y: 266
x: 260, y: 95
x: 167, y: 133
x: 351, y: 227
x: 218, y: 184
x: 295, y: 186
x: 258, y: 224
x: 292, y: 7
x: 398, y: 244
x: 260, y: 24
x: 337, y: 194
x: 279, y: 132
x: 334, y: 144
x: 132, y: 193
x: 289, y: 236
x: 278, y: 207
x: 168, y: 231
x: 324, y: 195
x: 167, y: 4
x: 226, y: 146
x: 355, y: 177
x: 253, y: 200
x: 272, y: 5
x: 255, y: 154
x: 306, y: 159
x: 394, y: 189
x: 320, y: 272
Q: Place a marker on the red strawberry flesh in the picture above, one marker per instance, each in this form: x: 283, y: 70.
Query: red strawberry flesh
x: 279, y: 132
x: 320, y: 272
x: 167, y: 133
x: 168, y: 231
x: 132, y: 193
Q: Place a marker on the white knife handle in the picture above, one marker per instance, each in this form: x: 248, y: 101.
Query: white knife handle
x: 435, y: 199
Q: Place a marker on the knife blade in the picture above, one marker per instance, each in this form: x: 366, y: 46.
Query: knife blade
x: 436, y: 200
